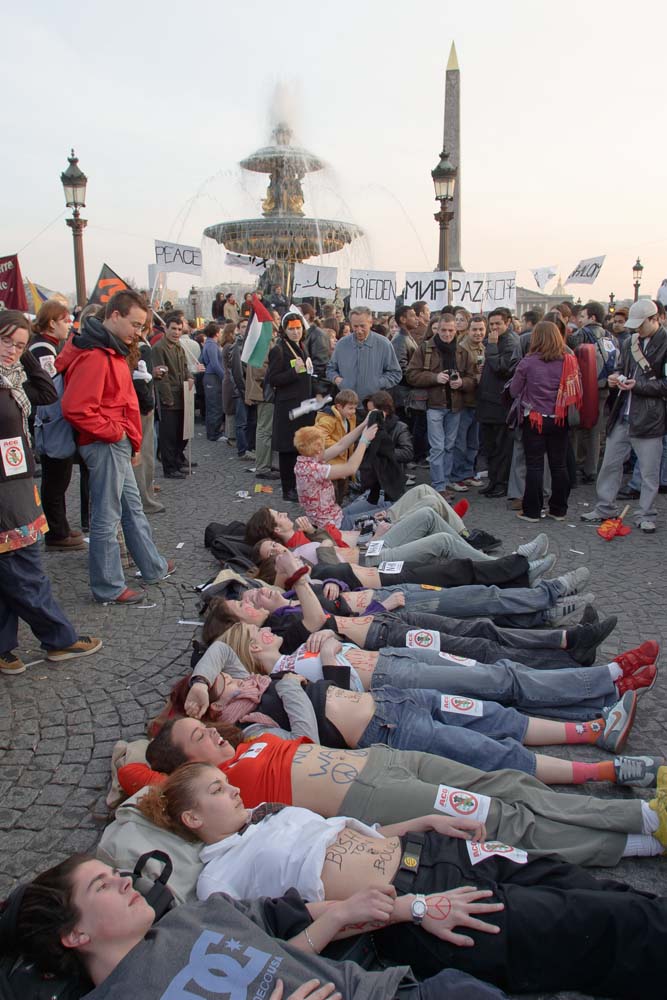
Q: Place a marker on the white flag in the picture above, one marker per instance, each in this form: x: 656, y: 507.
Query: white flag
x: 256, y: 265
x: 586, y: 271
x: 311, y: 279
x: 177, y: 257
x: 543, y: 275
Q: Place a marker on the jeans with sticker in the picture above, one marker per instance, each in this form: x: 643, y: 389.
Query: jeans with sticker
x: 577, y: 694
x: 413, y: 720
x: 523, y: 607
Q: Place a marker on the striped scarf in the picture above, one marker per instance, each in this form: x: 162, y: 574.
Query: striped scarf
x: 13, y: 376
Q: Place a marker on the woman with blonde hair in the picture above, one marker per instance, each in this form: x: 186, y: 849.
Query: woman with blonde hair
x: 546, y: 383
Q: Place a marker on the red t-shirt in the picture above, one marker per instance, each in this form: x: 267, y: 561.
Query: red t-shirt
x: 261, y: 770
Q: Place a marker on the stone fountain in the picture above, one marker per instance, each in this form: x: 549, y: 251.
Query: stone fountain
x: 284, y: 234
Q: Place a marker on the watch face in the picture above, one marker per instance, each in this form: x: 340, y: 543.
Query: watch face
x: 418, y: 909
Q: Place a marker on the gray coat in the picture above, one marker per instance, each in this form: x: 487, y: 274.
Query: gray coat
x: 367, y: 367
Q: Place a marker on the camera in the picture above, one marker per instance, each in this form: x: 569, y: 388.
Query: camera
x: 375, y: 417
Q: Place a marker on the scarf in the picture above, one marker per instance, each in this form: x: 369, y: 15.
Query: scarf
x: 261, y: 812
x: 240, y: 708
x: 569, y: 394
x: 14, y: 376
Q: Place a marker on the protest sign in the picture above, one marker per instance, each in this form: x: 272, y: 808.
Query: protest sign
x: 188, y: 410
x: 499, y: 290
x: 12, y: 292
x: 374, y: 289
x: 468, y: 290
x: 311, y: 279
x: 426, y: 286
x: 256, y: 265
x: 543, y: 275
x: 586, y: 271
x: 177, y: 257
x: 662, y: 292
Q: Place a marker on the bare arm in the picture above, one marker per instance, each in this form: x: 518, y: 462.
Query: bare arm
x: 334, y: 450
x: 349, y: 468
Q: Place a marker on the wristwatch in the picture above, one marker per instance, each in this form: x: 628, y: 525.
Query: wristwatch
x: 198, y: 679
x: 418, y: 909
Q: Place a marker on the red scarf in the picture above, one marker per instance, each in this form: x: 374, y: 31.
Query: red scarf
x: 569, y: 394
x: 240, y: 709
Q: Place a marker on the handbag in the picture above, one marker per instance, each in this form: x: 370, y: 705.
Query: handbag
x: 54, y: 436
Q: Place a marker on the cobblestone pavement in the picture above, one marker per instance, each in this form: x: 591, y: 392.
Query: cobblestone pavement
x: 58, y: 723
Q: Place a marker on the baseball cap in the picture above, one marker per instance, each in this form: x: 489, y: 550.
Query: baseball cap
x: 639, y: 311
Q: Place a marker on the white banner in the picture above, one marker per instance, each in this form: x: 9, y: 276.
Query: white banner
x: 310, y: 279
x: 188, y: 411
x: 374, y: 289
x: 426, y: 286
x: 256, y: 265
x: 177, y: 257
x: 662, y: 292
x: 586, y: 271
x: 543, y: 275
x: 481, y: 291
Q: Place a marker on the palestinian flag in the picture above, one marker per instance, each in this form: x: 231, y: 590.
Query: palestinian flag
x: 258, y: 337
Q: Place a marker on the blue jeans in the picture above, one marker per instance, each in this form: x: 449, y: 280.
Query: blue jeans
x: 577, y: 694
x: 25, y: 592
x: 358, y: 507
x: 115, y: 500
x: 414, y: 720
x: 443, y: 426
x: 466, y: 447
x: 241, y: 424
x: 214, y: 413
x: 517, y: 606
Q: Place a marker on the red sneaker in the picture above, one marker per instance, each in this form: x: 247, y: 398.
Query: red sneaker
x: 461, y: 508
x: 642, y: 656
x: 128, y: 596
x: 643, y: 679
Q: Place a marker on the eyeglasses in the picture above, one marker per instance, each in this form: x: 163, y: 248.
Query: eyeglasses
x: 136, y: 325
x: 8, y: 344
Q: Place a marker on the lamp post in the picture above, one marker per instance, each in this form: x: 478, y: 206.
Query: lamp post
x: 193, y: 298
x: 637, y: 276
x: 74, y: 185
x: 612, y: 303
x: 444, y: 182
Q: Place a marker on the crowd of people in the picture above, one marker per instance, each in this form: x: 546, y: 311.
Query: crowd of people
x: 349, y: 781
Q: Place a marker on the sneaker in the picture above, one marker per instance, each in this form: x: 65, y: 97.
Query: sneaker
x: 248, y: 456
x: 472, y: 481
x: 536, y: 549
x: 659, y: 806
x: 555, y: 517
x: 619, y: 723
x: 459, y: 487
x: 424, y: 464
x: 639, y: 771
x: 410, y: 480
x: 515, y: 504
x: 73, y: 543
x: 525, y: 517
x: 642, y: 656
x: 446, y: 495
x: 590, y: 635
x: 565, y: 607
x: 592, y: 518
x: 128, y: 596
x: 10, y: 664
x: 223, y: 437
x: 84, y: 646
x: 641, y: 680
x: 171, y: 566
x: 574, y: 581
x: 648, y: 527
x: 539, y: 568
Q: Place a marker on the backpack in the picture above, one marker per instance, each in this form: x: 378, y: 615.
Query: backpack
x: 20, y: 980
x: 605, y: 356
x: 228, y: 545
x: 54, y: 436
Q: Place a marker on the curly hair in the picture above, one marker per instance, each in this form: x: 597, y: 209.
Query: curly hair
x: 310, y: 441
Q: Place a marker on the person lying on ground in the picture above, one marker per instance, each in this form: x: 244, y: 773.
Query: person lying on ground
x: 85, y: 920
x: 379, y: 785
x: 557, y: 926
x: 480, y: 733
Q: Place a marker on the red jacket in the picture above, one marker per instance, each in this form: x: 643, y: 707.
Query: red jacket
x: 99, y: 398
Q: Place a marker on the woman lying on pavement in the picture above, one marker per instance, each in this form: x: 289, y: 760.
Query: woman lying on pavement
x: 558, y: 927
x: 84, y: 919
x: 295, y: 620
x: 546, y: 602
x: 440, y: 720
x: 389, y: 786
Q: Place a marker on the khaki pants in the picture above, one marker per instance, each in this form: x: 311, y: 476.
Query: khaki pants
x: 397, y: 785
x: 145, y: 471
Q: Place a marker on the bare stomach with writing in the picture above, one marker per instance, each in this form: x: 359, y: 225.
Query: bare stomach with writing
x: 355, y: 861
x: 350, y: 712
x: 354, y: 629
x: 321, y: 778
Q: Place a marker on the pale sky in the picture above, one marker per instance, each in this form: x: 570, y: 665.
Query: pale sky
x: 563, y: 129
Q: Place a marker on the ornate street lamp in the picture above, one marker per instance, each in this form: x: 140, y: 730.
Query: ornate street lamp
x: 637, y: 276
x: 74, y: 185
x: 444, y: 182
x: 193, y: 299
x: 612, y: 303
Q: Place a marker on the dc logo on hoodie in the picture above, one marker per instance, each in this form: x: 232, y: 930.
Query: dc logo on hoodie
x: 221, y: 974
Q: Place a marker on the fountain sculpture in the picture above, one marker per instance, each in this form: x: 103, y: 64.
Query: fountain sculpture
x: 284, y: 234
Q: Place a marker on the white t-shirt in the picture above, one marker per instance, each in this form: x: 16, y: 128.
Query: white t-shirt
x: 309, y: 665
x: 285, y: 849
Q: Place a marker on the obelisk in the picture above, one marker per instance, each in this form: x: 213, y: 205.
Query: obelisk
x: 452, y: 143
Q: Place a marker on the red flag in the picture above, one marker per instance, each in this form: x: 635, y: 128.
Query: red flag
x: 107, y: 285
x: 12, y: 292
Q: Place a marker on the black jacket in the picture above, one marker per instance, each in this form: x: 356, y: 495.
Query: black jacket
x: 291, y: 388
x: 383, y: 465
x: 649, y: 396
x: 500, y: 360
x: 318, y: 345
